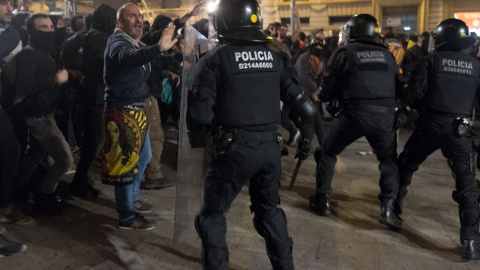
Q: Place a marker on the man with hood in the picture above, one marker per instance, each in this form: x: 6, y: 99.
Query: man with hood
x: 37, y: 83
x: 161, y: 22
x: 91, y: 99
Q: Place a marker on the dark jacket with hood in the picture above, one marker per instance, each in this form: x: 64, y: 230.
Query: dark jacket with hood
x: 156, y: 30
x: 103, y: 24
x: 35, y: 79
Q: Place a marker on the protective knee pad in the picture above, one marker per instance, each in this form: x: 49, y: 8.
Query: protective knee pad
x: 214, y: 253
x: 468, y: 211
x: 279, y: 253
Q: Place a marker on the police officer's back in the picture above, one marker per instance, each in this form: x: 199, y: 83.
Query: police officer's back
x: 362, y: 75
x: 236, y: 96
x: 443, y: 87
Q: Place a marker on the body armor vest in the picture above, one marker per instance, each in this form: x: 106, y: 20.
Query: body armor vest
x: 372, y: 72
x: 248, y: 92
x: 452, y: 83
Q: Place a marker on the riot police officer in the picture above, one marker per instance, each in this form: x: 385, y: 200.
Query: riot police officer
x: 443, y: 87
x: 236, y: 95
x: 362, y: 75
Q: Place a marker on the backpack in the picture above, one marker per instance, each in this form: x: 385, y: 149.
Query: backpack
x: 71, y: 55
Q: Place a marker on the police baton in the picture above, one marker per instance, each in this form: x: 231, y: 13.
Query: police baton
x: 295, y: 172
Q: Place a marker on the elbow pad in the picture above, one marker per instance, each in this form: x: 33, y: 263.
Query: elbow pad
x: 302, y: 106
x: 306, y: 111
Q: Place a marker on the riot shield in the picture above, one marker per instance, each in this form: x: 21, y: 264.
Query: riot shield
x: 193, y: 161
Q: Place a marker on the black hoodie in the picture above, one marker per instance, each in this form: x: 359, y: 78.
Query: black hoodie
x: 104, y: 19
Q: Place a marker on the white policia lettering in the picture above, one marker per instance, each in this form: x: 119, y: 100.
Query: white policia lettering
x: 457, y: 66
x: 457, y: 63
x: 371, y: 56
x: 254, y: 56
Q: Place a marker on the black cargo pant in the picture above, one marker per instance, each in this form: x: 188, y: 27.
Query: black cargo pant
x: 378, y: 128
x: 260, y: 162
x: 94, y: 137
x: 435, y: 133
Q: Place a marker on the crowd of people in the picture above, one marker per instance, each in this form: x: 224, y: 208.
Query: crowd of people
x: 108, y: 85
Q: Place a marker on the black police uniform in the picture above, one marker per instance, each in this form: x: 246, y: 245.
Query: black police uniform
x: 237, y: 92
x: 443, y: 87
x: 362, y: 75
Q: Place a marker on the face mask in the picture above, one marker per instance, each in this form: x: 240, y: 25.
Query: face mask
x: 44, y: 41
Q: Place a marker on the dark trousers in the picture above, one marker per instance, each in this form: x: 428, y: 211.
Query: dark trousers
x: 380, y: 134
x: 9, y: 158
x: 94, y: 137
x: 433, y: 134
x: 260, y: 162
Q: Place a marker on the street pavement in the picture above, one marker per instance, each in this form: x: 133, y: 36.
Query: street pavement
x: 85, y: 236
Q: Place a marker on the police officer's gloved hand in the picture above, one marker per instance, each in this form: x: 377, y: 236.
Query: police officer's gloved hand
x: 304, y: 149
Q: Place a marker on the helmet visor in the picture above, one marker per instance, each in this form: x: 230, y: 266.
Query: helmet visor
x: 344, y: 34
x: 432, y: 42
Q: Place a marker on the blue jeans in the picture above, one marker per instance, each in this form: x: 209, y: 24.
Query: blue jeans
x: 126, y: 195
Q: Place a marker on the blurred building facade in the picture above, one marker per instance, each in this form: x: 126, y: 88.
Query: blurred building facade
x: 407, y: 16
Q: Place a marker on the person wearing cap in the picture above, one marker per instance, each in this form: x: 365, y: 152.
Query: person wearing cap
x: 236, y: 91
x: 443, y: 88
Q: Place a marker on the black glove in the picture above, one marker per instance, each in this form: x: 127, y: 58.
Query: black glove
x: 334, y: 107
x: 304, y: 149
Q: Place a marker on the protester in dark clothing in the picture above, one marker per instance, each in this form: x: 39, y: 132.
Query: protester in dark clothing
x: 88, y: 22
x: 77, y: 23
x: 60, y: 35
x: 416, y: 53
x: 19, y: 21
x: 310, y: 66
x: 8, y: 79
x: 161, y: 22
x: 37, y: 84
x: 91, y: 98
x: 9, y: 146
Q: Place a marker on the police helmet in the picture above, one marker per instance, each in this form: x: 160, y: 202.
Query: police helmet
x: 239, y: 20
x: 452, y: 35
x: 360, y: 27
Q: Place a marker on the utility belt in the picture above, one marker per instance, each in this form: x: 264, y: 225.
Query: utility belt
x: 462, y: 125
x: 224, y: 139
x: 370, y: 108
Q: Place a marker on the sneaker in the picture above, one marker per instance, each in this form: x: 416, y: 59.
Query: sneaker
x: 9, y: 247
x: 142, y: 207
x: 137, y: 223
x: 159, y: 183
x: 13, y: 214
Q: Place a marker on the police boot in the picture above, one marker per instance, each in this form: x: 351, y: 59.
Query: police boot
x: 320, y: 204
x: 388, y: 215
x: 402, y: 192
x: 470, y: 249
